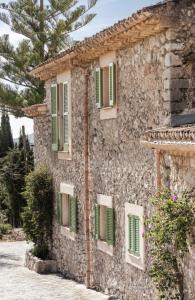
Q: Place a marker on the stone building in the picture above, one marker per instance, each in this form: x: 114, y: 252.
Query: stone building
x: 103, y: 96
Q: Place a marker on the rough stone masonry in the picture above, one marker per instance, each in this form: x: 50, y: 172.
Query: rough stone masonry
x: 155, y: 88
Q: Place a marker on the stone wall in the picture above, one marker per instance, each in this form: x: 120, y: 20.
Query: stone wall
x: 180, y: 43
x: 69, y: 254
x: 119, y: 166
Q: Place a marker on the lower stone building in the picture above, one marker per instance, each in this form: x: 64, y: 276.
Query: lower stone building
x: 102, y: 95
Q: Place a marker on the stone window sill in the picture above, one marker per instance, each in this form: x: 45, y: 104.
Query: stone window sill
x: 107, y: 113
x: 64, y: 155
x: 136, y: 261
x: 65, y: 231
x: 104, y: 247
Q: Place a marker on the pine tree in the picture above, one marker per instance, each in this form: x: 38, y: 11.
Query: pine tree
x: 46, y: 29
x: 6, y: 139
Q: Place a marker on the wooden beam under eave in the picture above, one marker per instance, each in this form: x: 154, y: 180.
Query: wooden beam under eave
x: 179, y: 148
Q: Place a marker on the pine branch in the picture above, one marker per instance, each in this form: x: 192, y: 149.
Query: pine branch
x: 4, y: 18
x: 20, y: 84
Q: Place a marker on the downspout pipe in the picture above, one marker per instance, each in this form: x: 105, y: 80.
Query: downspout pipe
x: 87, y: 211
x: 158, y: 156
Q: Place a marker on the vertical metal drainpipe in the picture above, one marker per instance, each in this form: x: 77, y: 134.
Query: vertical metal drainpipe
x: 158, y: 170
x: 87, y: 205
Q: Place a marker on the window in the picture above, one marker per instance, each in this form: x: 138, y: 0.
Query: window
x: 104, y: 223
x: 106, y: 86
x: 134, y: 230
x: 60, y: 109
x: 67, y: 211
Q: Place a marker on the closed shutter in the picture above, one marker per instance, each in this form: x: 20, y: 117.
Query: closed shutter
x: 59, y: 208
x: 73, y: 213
x: 66, y: 117
x: 54, y: 113
x: 98, y: 88
x: 97, y: 221
x: 131, y: 233
x: 134, y: 235
x: 112, y: 84
x: 110, y: 226
x: 137, y: 236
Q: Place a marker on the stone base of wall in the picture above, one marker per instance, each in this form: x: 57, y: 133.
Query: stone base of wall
x: 34, y: 263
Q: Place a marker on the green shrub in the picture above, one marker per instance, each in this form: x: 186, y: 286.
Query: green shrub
x: 5, y: 228
x: 170, y: 226
x: 37, y: 215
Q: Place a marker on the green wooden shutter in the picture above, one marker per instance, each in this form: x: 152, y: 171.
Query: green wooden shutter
x: 110, y: 226
x: 97, y: 221
x: 98, y: 88
x: 137, y: 236
x: 54, y: 113
x: 73, y: 214
x: 59, y: 208
x: 131, y: 233
x: 66, y: 117
x: 134, y: 235
x: 112, y: 84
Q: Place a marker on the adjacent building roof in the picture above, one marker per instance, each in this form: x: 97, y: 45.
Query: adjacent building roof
x: 172, y: 140
x: 146, y: 22
x: 36, y: 110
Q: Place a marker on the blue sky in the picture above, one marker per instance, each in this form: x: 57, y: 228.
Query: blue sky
x: 108, y: 12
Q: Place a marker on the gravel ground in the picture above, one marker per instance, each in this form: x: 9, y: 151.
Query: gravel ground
x: 18, y: 283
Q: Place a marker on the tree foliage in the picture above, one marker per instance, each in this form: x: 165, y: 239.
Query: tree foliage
x: 14, y: 166
x: 46, y: 30
x: 38, y: 213
x: 6, y: 139
x: 169, y: 228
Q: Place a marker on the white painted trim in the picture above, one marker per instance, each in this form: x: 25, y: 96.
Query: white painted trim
x: 104, y: 247
x: 104, y: 200
x: 66, y: 189
x: 65, y: 231
x: 136, y: 210
x: 107, y: 58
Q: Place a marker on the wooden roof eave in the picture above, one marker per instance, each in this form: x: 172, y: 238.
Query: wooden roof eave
x: 117, y: 38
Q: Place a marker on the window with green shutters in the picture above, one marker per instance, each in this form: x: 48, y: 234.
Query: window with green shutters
x: 54, y: 114
x: 106, y: 86
x: 66, y: 116
x: 104, y: 224
x: 60, y: 117
x: 134, y: 234
x: 67, y: 211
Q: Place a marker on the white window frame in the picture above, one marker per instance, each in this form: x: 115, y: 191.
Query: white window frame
x: 67, y: 189
x: 104, y: 200
x: 138, y: 211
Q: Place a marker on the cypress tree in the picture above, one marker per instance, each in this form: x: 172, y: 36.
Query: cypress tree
x: 6, y: 138
x: 14, y: 166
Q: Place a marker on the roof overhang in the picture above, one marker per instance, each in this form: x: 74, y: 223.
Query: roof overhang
x: 144, y: 23
x: 175, y: 141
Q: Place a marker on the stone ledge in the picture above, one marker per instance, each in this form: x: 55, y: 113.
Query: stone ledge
x: 36, y: 110
x: 39, y: 266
